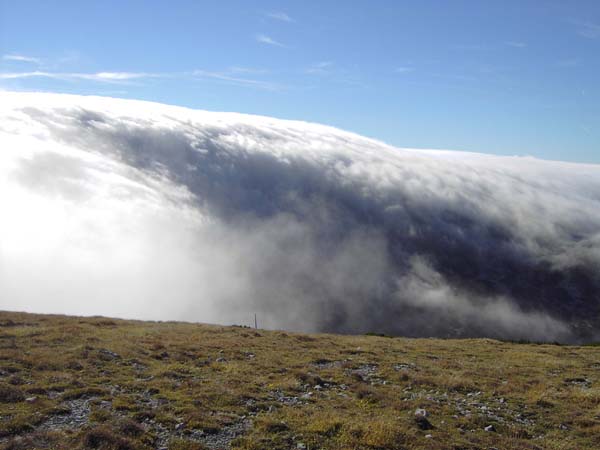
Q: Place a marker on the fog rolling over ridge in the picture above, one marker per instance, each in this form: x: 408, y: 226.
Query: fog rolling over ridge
x: 134, y: 209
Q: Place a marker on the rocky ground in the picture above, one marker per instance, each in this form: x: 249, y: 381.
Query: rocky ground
x: 71, y: 382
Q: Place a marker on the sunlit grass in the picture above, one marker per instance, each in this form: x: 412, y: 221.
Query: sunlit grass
x: 141, y: 384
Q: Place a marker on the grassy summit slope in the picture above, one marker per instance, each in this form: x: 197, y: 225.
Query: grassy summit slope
x: 71, y: 382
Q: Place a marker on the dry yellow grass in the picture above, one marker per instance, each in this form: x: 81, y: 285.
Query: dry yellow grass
x: 71, y: 382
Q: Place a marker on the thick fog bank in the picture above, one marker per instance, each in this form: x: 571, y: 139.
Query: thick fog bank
x: 134, y: 209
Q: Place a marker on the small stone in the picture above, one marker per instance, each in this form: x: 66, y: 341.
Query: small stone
x: 428, y: 436
x: 163, y: 355
x: 108, y: 354
x: 30, y: 399
x: 179, y: 426
x: 301, y: 445
x: 490, y: 428
x: 420, y: 412
x: 421, y: 419
x: 423, y: 423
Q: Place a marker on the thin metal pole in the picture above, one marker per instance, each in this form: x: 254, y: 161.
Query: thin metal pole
x: 255, y: 322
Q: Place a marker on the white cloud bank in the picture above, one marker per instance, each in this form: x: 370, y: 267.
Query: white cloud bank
x: 135, y: 209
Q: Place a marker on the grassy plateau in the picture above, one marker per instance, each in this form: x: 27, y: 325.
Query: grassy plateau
x: 75, y: 382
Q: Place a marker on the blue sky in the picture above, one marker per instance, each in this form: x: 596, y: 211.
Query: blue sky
x: 506, y: 77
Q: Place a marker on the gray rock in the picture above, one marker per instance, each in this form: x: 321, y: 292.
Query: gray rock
x: 108, y: 354
x: 421, y: 419
x: 419, y: 412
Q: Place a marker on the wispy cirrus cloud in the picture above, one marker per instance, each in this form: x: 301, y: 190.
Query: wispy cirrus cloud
x: 471, y: 47
x: 248, y: 70
x: 404, y: 69
x: 573, y: 62
x: 483, y: 47
x: 118, y: 76
x: 22, y: 58
x: 230, y: 78
x: 332, y: 72
x: 320, y: 68
x: 589, y: 30
x: 108, y: 77
x: 279, y: 15
x: 516, y: 44
x: 264, y: 39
